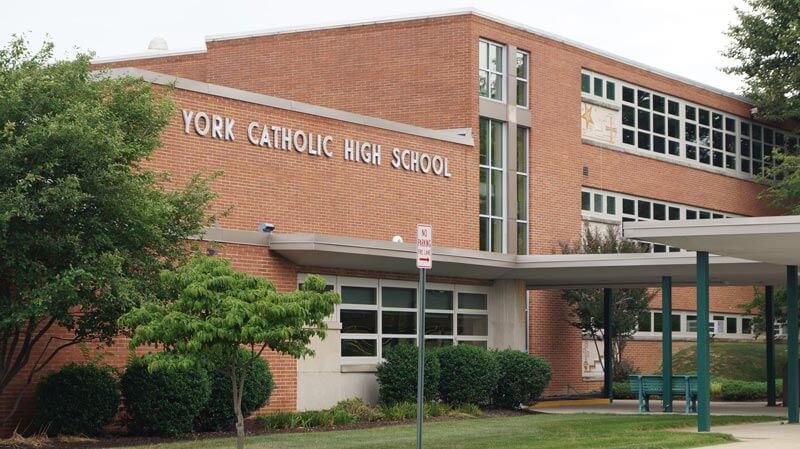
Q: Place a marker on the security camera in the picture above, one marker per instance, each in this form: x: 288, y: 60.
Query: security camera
x: 266, y: 228
x: 397, y: 239
x: 753, y: 112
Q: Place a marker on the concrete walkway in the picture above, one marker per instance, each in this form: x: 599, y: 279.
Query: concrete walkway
x: 771, y: 435
x: 626, y: 406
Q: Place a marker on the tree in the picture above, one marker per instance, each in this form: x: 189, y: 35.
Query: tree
x: 586, y: 305
x: 765, y: 45
x: 215, y: 310
x: 85, y: 229
x: 756, y: 308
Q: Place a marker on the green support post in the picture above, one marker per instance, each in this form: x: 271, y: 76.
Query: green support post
x: 703, y: 353
x: 608, y: 350
x: 769, y: 317
x: 666, y: 341
x: 791, y: 314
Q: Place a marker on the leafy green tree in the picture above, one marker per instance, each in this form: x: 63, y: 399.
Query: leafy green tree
x: 215, y: 310
x: 765, y: 45
x: 85, y: 229
x: 586, y: 305
x: 756, y: 308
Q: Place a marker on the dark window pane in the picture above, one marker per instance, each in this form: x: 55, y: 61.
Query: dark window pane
x: 359, y: 348
x: 522, y: 238
x: 704, y: 116
x: 716, y: 215
x: 658, y: 103
x: 757, y: 150
x: 717, y: 159
x: 628, y: 207
x: 472, y: 301
x: 730, y: 124
x: 644, y: 119
x: 674, y: 213
x: 483, y: 191
x: 659, y: 211
x: 628, y: 116
x: 627, y: 136
x: 586, y: 201
x: 484, y: 138
x: 745, y: 129
x: 745, y: 147
x: 657, y: 248
x: 643, y: 140
x: 659, y: 124
x: 359, y: 321
x: 644, y: 98
x: 439, y: 324
x: 756, y: 168
x: 704, y: 137
x: 705, y: 215
x: 717, y: 140
x: 691, y: 215
x: 478, y: 343
x: 434, y: 343
x: 585, y: 83
x: 643, y: 209
x: 673, y: 107
x: 691, y: 152
x: 475, y: 325
x: 645, y: 322
x: 730, y: 325
x: 389, y: 343
x: 598, y: 87
x: 398, y: 322
x: 779, y: 139
x: 674, y: 148
x: 691, y: 113
x: 690, y: 132
x: 768, y: 136
x: 705, y: 156
x: 399, y: 297
x: 627, y: 94
x: 745, y: 165
x: 657, y: 322
x: 439, y: 299
x: 747, y: 326
x: 611, y: 205
x: 610, y: 90
x: 659, y: 144
x: 674, y: 128
x: 484, y: 230
x: 756, y: 132
x: 598, y: 203
x: 716, y: 120
x: 730, y: 161
x: 358, y: 295
x: 675, y: 321
x: 730, y: 143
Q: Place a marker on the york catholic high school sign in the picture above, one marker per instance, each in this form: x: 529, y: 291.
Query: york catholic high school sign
x: 300, y: 141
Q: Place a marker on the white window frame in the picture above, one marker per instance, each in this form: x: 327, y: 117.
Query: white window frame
x: 686, y: 333
x: 527, y: 58
x: 524, y: 174
x: 503, y: 188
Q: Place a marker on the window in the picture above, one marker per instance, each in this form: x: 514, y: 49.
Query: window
x: 379, y: 314
x: 491, y: 70
x: 522, y: 79
x: 602, y: 204
x: 492, y: 186
x: 723, y: 326
x: 522, y: 189
x: 656, y: 123
x: 598, y: 86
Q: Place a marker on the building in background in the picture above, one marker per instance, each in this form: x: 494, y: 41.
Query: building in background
x: 506, y: 139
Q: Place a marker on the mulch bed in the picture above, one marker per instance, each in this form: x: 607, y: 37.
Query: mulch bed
x: 121, y: 439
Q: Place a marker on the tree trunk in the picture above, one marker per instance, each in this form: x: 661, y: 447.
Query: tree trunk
x: 239, y: 424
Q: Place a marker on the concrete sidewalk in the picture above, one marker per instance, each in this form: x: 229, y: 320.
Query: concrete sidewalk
x: 626, y: 406
x: 770, y: 435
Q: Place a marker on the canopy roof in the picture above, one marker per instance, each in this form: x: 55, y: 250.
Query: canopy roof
x: 774, y: 240
x: 537, y: 271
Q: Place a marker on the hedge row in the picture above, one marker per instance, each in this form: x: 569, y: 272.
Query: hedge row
x: 82, y: 398
x: 721, y: 389
x: 464, y: 374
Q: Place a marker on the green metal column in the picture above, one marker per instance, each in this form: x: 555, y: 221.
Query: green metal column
x: 608, y: 350
x: 769, y: 317
x: 791, y: 318
x: 703, y: 353
x: 666, y: 341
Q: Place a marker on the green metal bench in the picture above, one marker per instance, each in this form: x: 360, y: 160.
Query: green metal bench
x: 652, y: 385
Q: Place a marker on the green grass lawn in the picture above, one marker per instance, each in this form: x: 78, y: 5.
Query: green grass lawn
x: 739, y: 361
x: 540, y: 431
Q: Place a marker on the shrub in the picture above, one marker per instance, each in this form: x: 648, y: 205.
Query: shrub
x: 469, y: 374
x: 465, y: 410
x: 622, y: 390
x: 400, y: 411
x: 358, y: 409
x: 434, y: 409
x: 397, y: 376
x: 742, y: 390
x: 218, y: 413
x: 163, y: 402
x: 523, y: 378
x: 622, y: 370
x: 77, y: 400
x: 277, y: 420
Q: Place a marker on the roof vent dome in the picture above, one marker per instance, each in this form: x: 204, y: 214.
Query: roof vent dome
x: 158, y: 43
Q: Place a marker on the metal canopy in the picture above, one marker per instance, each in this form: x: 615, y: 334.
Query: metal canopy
x: 773, y: 240
x: 538, y: 272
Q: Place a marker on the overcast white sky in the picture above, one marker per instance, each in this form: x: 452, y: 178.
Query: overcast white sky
x: 680, y: 36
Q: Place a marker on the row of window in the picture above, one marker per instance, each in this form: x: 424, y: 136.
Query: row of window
x: 620, y: 207
x: 378, y: 314
x: 670, y: 126
x: 686, y: 322
x: 492, y: 188
x: 492, y: 72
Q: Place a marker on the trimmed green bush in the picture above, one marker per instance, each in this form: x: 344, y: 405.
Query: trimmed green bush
x: 622, y: 390
x: 358, y: 409
x: 523, y: 378
x: 79, y: 399
x: 163, y: 402
x: 400, y: 411
x: 742, y: 390
x: 277, y: 420
x: 397, y: 376
x: 218, y: 412
x: 469, y: 375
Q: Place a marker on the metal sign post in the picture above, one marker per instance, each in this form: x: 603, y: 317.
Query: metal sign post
x: 424, y: 263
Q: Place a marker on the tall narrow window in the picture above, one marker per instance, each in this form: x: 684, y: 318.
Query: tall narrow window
x: 522, y: 189
x: 522, y: 79
x: 492, y: 191
x: 491, y: 70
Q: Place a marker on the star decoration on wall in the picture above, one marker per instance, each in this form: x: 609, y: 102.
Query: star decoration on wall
x: 587, y: 116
